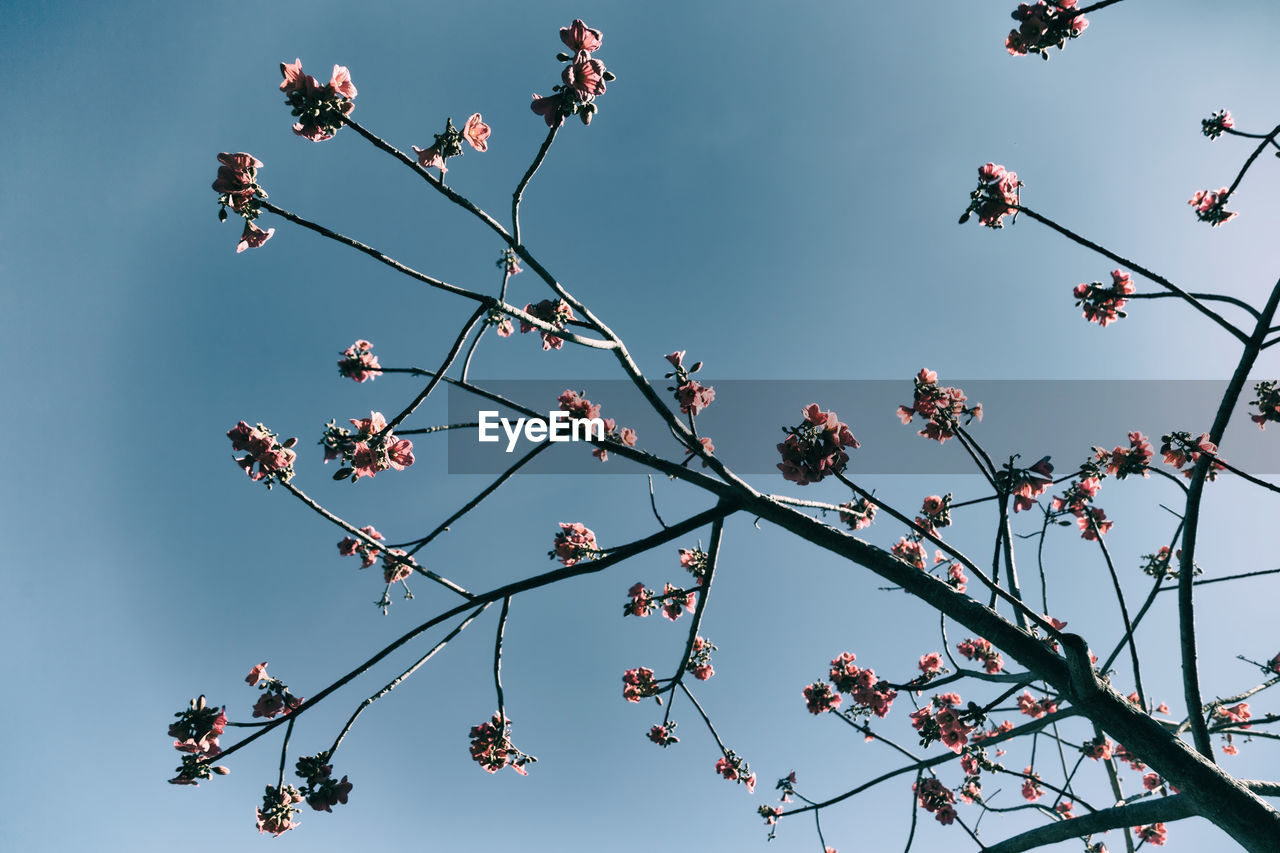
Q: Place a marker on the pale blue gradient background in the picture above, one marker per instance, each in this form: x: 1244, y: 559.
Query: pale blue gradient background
x: 774, y: 189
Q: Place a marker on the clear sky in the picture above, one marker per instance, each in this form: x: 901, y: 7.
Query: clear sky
x: 773, y: 188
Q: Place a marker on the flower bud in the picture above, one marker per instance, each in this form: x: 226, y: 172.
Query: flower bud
x: 200, y: 703
x: 290, y: 442
x: 220, y: 770
x: 696, y: 367
x: 342, y: 473
x: 222, y: 215
x: 563, y: 57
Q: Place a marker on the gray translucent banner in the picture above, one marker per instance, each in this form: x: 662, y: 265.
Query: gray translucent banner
x: 1034, y: 418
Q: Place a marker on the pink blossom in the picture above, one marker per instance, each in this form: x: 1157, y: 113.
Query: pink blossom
x: 253, y: 237
x: 1155, y: 834
x: 816, y: 448
x: 550, y: 108
x: 819, y: 697
x: 1217, y: 124
x: 256, y: 674
x: 638, y: 683
x: 476, y: 132
x: 585, y: 76
x: 694, y: 397
x: 1211, y: 206
x: 574, y: 543
x: 676, y: 358
x: 931, y: 664
x: 430, y: 158
x: 359, y: 363
x: 579, y: 37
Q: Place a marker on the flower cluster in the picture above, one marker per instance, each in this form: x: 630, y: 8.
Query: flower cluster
x: 1024, y: 485
x: 275, y: 698
x: 279, y: 805
x: 1044, y: 25
x: 351, y: 546
x: 1155, y: 834
x: 942, y: 720
x: 1268, y: 403
x: 941, y: 408
x: 734, y: 768
x: 359, y: 363
x: 274, y: 459
x: 1183, y: 452
x: 1104, y: 304
x: 1099, y: 748
x: 556, y: 314
x: 1217, y: 124
x: 1123, y: 461
x: 509, y: 263
x: 819, y: 698
x: 700, y: 659
x: 858, y: 514
x: 583, y: 409
x: 638, y: 684
x: 196, y: 734
x: 1078, y: 497
x: 976, y: 648
x: 909, y: 550
x: 319, y: 109
x: 371, y: 448
x: 673, y: 601
x: 869, y: 693
x: 583, y: 79
x: 574, y: 543
x: 1036, y: 708
x: 641, y: 603
x: 1211, y: 206
x: 935, y: 512
x: 449, y: 144
x: 237, y: 188
x: 696, y: 562
x: 397, y: 565
x: 937, y: 798
x: 995, y: 197
x: 664, y: 735
x: 491, y: 747
x: 816, y: 447
x: 1031, y: 790
x: 692, y: 395
x: 321, y: 790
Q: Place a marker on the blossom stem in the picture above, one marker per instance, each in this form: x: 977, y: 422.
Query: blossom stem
x: 1224, y: 578
x: 497, y: 664
x: 518, y: 195
x: 436, y: 183
x: 474, y: 502
x: 1186, y: 600
x: 438, y: 428
x: 372, y: 543
x: 1203, y: 297
x: 1158, y: 279
x: 395, y: 682
x: 704, y: 592
x: 1267, y: 140
x: 487, y: 301
x: 1124, y: 612
x: 710, y: 727
x: 284, y: 753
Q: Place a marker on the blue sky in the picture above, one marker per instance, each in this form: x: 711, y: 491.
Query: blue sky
x: 774, y: 191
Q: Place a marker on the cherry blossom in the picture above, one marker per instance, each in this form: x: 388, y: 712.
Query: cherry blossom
x: 359, y: 363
